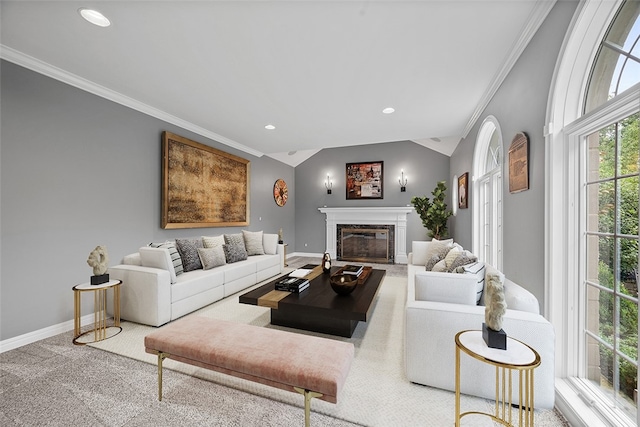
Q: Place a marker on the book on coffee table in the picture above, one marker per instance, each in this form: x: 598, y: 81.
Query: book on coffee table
x: 352, y: 269
x: 292, y: 284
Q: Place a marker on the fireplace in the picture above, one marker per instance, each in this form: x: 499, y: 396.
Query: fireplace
x: 375, y: 219
x: 365, y: 243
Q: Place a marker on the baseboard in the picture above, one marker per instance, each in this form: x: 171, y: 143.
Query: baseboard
x: 40, y: 334
x: 306, y: 254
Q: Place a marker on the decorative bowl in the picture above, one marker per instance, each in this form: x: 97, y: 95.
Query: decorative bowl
x: 343, y: 284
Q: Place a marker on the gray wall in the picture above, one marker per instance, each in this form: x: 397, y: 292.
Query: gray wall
x: 520, y: 105
x: 424, y: 168
x: 78, y: 171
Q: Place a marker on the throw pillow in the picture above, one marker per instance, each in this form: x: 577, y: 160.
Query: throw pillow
x: 440, y: 249
x: 173, y: 252
x: 446, y: 241
x: 213, y: 241
x: 212, y: 257
x: 431, y: 262
x: 451, y: 256
x: 253, y: 242
x: 270, y: 243
x: 441, y: 266
x: 477, y: 269
x: 234, y: 239
x: 464, y: 258
x: 234, y: 253
x: 157, y: 258
x: 188, y: 249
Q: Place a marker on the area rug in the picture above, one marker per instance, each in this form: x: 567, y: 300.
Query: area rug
x: 376, y: 392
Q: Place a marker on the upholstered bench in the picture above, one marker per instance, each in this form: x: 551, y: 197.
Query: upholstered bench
x: 312, y: 366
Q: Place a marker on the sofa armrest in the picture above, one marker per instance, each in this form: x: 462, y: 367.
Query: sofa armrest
x: 445, y: 287
x: 145, y: 294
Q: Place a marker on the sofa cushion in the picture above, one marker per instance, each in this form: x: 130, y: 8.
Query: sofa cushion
x: 234, y: 252
x: 444, y: 287
x: 270, y: 243
x: 476, y: 269
x: 212, y: 257
x: 431, y: 262
x: 157, y: 258
x: 419, y: 250
x: 463, y: 258
x: 188, y: 249
x: 440, y: 266
x: 253, y: 242
x: 212, y: 241
x: 518, y: 298
x: 173, y: 253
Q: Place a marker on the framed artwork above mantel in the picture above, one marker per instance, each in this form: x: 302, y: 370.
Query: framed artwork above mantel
x: 364, y: 180
x: 202, y: 186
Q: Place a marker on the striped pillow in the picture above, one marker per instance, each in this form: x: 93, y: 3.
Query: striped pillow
x: 476, y: 268
x: 173, y: 252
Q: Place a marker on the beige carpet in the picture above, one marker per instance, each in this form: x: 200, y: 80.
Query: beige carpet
x: 376, y: 393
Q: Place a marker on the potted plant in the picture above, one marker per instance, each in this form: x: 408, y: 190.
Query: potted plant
x: 434, y: 213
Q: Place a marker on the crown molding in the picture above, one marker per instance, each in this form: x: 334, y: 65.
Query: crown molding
x: 536, y: 18
x: 41, y: 67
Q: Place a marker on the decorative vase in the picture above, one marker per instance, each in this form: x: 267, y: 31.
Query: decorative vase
x: 326, y: 262
x: 343, y: 284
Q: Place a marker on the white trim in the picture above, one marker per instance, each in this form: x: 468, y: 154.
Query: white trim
x: 536, y: 18
x: 40, y: 334
x: 59, y: 74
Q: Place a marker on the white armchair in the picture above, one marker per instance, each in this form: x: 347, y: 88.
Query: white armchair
x: 439, y: 305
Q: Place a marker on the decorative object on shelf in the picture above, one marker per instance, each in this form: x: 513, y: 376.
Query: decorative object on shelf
x: 280, y: 239
x: 519, y: 163
x: 326, y: 262
x: 364, y: 180
x: 99, y: 261
x: 328, y: 184
x: 402, y: 181
x: 197, y: 180
x: 463, y: 191
x: 434, y: 214
x: 280, y: 192
x: 495, y: 308
x: 343, y: 284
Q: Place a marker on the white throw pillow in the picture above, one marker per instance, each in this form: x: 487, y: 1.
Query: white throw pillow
x: 157, y: 258
x: 518, y: 298
x: 253, y: 242
x: 212, y: 241
x: 441, y: 266
x: 270, y: 243
x: 477, y: 269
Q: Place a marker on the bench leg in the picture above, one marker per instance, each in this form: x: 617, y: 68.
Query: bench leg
x: 308, y: 395
x: 161, y: 357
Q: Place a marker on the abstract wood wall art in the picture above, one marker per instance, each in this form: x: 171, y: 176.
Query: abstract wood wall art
x: 202, y: 186
x: 519, y: 163
x: 364, y: 180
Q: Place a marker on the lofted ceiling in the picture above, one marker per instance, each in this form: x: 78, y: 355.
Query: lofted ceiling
x: 321, y: 72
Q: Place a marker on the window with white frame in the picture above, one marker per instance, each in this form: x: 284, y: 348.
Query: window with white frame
x: 487, y: 185
x: 593, y: 218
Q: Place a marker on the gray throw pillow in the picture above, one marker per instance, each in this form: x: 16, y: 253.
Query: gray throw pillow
x: 431, y: 262
x: 188, y: 249
x: 234, y: 253
x: 253, y: 242
x: 234, y: 239
x: 212, y: 257
x: 463, y: 259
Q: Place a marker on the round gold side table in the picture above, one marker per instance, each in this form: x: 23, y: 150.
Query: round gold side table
x: 100, y: 327
x: 517, y: 357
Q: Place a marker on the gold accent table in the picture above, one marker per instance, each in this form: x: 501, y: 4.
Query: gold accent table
x: 100, y: 326
x: 517, y: 357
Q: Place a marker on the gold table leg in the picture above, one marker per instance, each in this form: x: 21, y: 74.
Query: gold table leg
x: 161, y: 357
x: 308, y: 395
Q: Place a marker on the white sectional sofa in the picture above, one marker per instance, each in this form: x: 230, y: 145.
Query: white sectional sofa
x: 440, y: 304
x: 153, y: 294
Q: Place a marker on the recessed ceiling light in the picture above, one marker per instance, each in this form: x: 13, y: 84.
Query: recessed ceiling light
x: 95, y: 17
x: 388, y: 110
x: 291, y: 153
x: 270, y: 127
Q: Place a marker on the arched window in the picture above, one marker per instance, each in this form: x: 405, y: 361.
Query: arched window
x: 592, y: 208
x: 487, y: 185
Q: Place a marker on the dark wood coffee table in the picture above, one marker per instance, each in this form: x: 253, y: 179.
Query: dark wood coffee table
x: 318, y: 308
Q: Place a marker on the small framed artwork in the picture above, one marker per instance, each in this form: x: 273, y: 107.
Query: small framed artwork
x: 463, y: 191
x: 364, y: 180
x: 519, y: 163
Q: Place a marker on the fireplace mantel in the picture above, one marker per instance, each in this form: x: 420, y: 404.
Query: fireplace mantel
x: 396, y: 216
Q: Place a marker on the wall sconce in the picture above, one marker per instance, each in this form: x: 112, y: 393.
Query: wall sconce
x: 403, y: 182
x: 328, y: 184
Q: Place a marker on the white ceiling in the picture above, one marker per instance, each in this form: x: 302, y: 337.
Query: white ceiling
x: 320, y: 71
